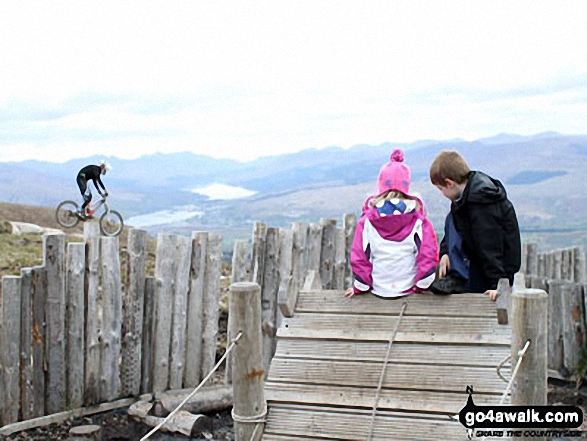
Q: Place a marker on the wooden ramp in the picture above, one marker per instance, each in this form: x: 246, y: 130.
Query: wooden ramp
x: 323, y: 380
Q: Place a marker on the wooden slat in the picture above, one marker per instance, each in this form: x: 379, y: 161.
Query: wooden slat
x: 353, y: 424
x: 333, y: 301
x: 377, y: 328
x: 397, y: 375
x: 459, y: 355
x: 440, y: 402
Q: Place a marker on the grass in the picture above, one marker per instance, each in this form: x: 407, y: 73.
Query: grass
x: 18, y: 252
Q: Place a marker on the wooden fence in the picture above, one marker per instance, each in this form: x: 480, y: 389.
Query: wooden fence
x: 562, y: 273
x: 74, y: 333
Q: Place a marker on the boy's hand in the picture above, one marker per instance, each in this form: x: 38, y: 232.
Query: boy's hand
x: 349, y: 292
x: 443, y: 266
x: 492, y: 293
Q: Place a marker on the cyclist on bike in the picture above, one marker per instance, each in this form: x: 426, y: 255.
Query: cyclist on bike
x: 91, y: 172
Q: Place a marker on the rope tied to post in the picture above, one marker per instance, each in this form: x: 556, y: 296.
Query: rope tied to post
x: 382, y: 376
x: 214, y: 369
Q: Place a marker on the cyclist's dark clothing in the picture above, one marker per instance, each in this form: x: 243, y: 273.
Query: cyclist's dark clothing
x: 89, y: 172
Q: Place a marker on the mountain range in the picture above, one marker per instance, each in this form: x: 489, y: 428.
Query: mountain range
x: 543, y: 174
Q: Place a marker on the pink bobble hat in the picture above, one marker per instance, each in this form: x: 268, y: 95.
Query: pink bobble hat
x: 394, y: 175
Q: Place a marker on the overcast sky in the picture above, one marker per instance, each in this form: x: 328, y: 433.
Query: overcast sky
x: 242, y: 79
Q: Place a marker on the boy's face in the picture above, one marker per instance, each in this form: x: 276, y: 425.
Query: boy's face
x: 450, y: 189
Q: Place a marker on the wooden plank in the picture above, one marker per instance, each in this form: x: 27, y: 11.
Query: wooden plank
x: 76, y: 262
x: 133, y: 312
x: 3, y: 341
x: 573, y: 325
x: 179, y: 317
x: 327, y: 251
x: 398, y: 399
x: 164, y: 275
x: 147, y: 336
x: 93, y: 314
x: 286, y: 297
x: 458, y: 305
x: 339, y: 262
x: 349, y: 225
x: 27, y: 392
x: 269, y: 292
x: 211, y: 303
x: 39, y: 286
x: 11, y: 333
x: 416, y: 328
x: 555, y: 325
x: 531, y: 260
x: 345, y: 350
x: 54, y: 263
x: 300, y: 422
x: 314, y: 244
x: 300, y: 251
x: 579, y: 268
x: 425, y: 377
x: 258, y: 252
x: 111, y: 318
x: 195, y: 312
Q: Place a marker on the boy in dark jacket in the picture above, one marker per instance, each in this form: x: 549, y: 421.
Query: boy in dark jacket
x: 485, y: 221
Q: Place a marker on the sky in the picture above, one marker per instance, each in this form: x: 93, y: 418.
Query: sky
x: 244, y: 79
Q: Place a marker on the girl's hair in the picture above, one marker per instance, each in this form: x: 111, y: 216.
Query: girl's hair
x: 391, y: 194
x: 449, y: 164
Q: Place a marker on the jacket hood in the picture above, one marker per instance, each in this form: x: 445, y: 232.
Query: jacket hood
x: 397, y: 226
x: 482, y: 189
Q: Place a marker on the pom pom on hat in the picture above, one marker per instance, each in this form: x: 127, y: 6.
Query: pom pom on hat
x: 394, y: 175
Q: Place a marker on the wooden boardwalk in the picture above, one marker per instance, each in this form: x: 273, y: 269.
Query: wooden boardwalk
x: 323, y: 380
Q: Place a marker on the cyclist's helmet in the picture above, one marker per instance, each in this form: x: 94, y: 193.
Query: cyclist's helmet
x: 105, y: 166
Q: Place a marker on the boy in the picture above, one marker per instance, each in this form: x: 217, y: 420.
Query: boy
x: 484, y: 219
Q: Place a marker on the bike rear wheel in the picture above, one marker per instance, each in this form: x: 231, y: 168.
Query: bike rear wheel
x: 66, y: 214
x: 111, y: 223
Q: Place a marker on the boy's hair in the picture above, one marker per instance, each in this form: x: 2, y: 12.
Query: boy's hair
x: 449, y: 164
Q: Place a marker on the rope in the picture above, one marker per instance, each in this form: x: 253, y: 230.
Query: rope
x: 500, y: 365
x: 214, y: 369
x: 255, y: 419
x: 381, y: 377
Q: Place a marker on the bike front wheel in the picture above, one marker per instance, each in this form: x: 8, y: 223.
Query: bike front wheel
x: 66, y: 214
x: 111, y: 223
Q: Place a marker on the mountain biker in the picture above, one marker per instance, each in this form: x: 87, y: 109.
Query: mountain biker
x: 91, y: 172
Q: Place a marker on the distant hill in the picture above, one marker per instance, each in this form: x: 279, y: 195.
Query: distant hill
x: 543, y: 174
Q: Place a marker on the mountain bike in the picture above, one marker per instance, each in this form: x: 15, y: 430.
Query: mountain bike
x: 111, y: 222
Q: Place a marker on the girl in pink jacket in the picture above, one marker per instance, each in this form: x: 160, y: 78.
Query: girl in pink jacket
x: 394, y: 251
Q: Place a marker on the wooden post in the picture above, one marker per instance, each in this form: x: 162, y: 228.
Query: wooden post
x: 10, y: 336
x: 285, y: 272
x: 54, y: 263
x: 565, y: 269
x: 531, y: 260
x: 132, y: 322
x: 3, y: 341
x: 111, y: 318
x: 93, y: 313
x: 193, y: 361
x: 349, y: 224
x: 164, y: 274
x: 27, y: 392
x: 530, y: 323
x: 211, y: 303
x: 504, y: 301
x: 555, y: 325
x: 549, y: 264
x: 258, y: 253
x: 541, y: 265
x: 147, y: 336
x: 269, y: 292
x: 579, y: 266
x: 314, y: 244
x: 39, y: 286
x: 573, y: 324
x: 300, y: 251
x: 558, y: 256
x: 339, y: 266
x: 179, y: 319
x: 76, y: 263
x: 327, y: 251
x: 239, y: 261
x: 248, y: 373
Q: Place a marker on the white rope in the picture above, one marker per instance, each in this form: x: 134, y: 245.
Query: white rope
x: 382, y: 376
x: 500, y: 365
x: 214, y: 369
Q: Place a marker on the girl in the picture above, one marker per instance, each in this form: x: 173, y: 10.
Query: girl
x: 394, y: 251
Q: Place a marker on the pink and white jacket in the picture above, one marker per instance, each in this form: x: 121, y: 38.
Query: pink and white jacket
x: 394, y: 251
